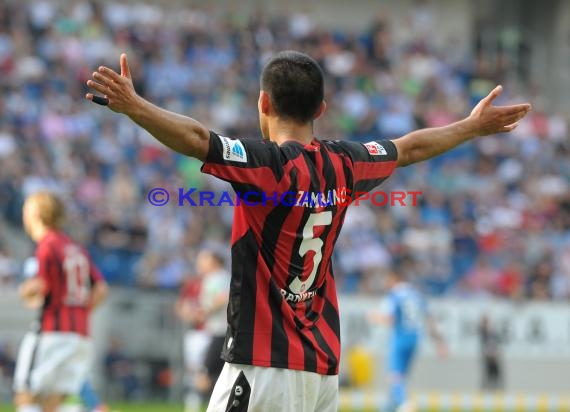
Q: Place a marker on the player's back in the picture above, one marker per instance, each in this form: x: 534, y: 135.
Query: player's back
x: 283, y: 309
x: 69, y: 276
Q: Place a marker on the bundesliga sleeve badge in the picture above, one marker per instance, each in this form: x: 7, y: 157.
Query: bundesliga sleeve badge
x: 233, y: 150
x: 375, y: 148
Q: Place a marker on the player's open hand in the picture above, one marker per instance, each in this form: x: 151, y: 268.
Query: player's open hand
x: 117, y: 89
x: 488, y: 119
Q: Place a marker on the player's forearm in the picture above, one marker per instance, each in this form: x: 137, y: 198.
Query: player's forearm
x: 99, y: 294
x: 31, y: 288
x: 26, y: 292
x: 180, y: 133
x: 424, y: 144
x: 32, y: 293
x: 434, y: 331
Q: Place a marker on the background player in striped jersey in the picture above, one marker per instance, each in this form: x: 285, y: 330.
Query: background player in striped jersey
x: 405, y: 311
x: 282, y: 346
x: 54, y: 358
x: 89, y: 397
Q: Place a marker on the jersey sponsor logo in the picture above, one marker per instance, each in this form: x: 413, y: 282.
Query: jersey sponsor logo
x: 375, y: 148
x: 297, y: 297
x: 233, y: 150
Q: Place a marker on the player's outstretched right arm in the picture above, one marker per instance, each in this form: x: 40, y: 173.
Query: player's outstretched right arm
x: 181, y: 133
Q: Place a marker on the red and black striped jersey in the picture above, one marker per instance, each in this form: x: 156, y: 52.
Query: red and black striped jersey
x: 292, y: 200
x: 69, y: 275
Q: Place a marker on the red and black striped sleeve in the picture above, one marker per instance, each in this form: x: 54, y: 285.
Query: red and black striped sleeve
x: 47, y: 266
x: 248, y: 164
x: 95, y: 275
x: 372, y: 162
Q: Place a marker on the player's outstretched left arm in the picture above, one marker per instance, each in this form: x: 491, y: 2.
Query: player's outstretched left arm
x: 181, y: 133
x: 485, y: 119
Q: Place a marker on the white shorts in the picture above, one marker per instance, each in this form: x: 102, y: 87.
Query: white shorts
x: 196, y: 344
x: 52, y: 363
x: 243, y: 388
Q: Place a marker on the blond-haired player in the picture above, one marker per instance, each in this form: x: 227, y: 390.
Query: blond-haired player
x: 54, y: 357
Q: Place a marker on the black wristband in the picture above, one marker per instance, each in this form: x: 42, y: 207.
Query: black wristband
x: 103, y: 101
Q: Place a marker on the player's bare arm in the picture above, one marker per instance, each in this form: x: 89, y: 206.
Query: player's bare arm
x: 180, y: 133
x: 32, y: 292
x: 379, y: 318
x: 436, y: 335
x: 99, y: 293
x: 485, y: 119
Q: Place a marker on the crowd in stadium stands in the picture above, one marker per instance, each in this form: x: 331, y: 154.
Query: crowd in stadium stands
x: 494, y: 216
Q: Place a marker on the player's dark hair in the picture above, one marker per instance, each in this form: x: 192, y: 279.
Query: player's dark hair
x: 295, y: 84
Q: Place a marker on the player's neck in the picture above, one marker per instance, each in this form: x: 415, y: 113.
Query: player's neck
x: 282, y: 131
x: 39, y: 233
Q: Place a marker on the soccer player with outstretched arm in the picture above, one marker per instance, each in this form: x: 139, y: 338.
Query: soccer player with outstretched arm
x: 282, y: 345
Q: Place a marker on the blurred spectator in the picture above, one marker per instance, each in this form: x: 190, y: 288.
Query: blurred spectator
x: 8, y: 268
x: 492, y: 375
x: 482, y: 277
x: 162, y: 270
x: 540, y: 280
x: 7, y: 365
x: 510, y: 281
x: 120, y: 371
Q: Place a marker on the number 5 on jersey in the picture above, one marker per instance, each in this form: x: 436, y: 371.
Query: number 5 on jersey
x: 311, y: 243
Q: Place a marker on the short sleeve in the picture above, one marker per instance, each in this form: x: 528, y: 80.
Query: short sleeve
x: 248, y: 164
x: 372, y: 162
x: 94, y: 273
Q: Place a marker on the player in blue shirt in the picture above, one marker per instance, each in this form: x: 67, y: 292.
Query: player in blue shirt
x: 405, y: 311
